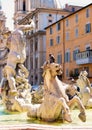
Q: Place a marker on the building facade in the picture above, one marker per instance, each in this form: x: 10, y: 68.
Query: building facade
x: 44, y: 13
x: 23, y: 7
x: 36, y: 40
x: 70, y: 41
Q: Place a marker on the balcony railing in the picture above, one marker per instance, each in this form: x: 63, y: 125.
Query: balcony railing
x: 84, y: 57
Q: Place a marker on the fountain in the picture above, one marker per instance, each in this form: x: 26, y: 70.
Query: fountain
x: 54, y: 106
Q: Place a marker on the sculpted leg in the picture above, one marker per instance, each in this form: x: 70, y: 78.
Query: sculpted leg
x: 23, y: 71
x: 10, y: 75
x: 76, y: 100
x: 85, y: 96
x: 66, y: 112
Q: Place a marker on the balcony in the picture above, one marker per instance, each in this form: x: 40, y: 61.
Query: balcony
x: 84, y: 57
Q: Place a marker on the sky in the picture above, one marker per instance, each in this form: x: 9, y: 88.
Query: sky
x: 8, y: 8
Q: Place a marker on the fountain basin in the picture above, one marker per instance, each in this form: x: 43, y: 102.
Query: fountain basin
x: 16, y: 120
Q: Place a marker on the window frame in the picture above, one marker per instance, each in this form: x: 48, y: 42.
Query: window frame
x: 67, y: 56
x: 67, y: 36
x: 76, y: 18
x: 88, y: 28
x: 67, y: 22
x: 76, y: 32
x: 51, y: 30
x: 59, y: 58
x: 87, y: 13
x: 76, y: 51
x: 58, y: 26
x: 51, y: 42
x: 58, y: 39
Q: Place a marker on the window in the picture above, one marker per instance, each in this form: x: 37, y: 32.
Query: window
x: 67, y: 72
x: 88, y: 28
x: 58, y: 26
x: 88, y: 48
x: 67, y: 35
x: 59, y: 58
x: 76, y: 18
x: 58, y: 39
x: 87, y: 13
x: 24, y: 5
x: 50, y: 15
x: 51, y: 30
x: 76, y: 72
x: 51, y: 42
x: 74, y: 53
x: 73, y: 9
x: 76, y: 32
x: 62, y: 16
x: 67, y: 23
x: 50, y: 21
x: 67, y: 56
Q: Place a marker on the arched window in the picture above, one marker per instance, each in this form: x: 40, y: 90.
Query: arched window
x: 24, y: 5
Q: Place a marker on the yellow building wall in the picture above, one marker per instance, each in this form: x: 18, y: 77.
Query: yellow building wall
x: 56, y: 48
x: 80, y: 42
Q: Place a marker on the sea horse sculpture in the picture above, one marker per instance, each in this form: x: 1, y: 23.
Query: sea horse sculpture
x: 55, y: 104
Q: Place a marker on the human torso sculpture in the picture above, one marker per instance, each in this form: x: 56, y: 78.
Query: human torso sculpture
x: 17, y: 55
x: 15, y: 86
x: 17, y: 48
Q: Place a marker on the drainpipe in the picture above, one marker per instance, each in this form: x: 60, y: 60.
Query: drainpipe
x: 63, y: 51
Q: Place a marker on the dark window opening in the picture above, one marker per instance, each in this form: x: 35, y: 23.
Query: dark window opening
x: 73, y: 9
x: 58, y: 26
x: 50, y: 15
x: 50, y: 21
x: 88, y: 28
x: 24, y: 5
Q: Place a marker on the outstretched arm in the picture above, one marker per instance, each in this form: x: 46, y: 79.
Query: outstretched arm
x: 27, y: 27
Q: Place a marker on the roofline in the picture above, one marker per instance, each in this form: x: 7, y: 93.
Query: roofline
x: 40, y: 32
x: 40, y: 9
x: 69, y: 15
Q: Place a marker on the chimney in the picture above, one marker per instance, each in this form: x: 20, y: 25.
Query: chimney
x: 66, y: 5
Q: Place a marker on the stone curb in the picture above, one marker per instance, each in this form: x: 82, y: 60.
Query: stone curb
x: 41, y: 127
